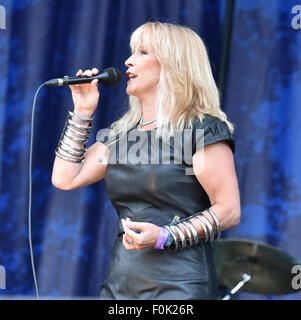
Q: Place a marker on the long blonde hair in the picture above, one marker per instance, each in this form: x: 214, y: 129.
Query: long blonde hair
x: 186, y: 88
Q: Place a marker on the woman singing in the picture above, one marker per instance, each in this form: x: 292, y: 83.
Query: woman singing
x: 171, y: 202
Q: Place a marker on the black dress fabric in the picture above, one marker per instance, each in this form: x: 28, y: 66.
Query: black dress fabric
x: 156, y: 192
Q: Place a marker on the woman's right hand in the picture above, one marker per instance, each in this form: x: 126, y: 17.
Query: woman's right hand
x: 85, y: 96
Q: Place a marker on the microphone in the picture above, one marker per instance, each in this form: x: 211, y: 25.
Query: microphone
x: 109, y: 76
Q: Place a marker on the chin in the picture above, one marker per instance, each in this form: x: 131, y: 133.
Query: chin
x: 131, y: 92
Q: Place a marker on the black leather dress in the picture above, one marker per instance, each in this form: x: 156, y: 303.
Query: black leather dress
x: 156, y: 193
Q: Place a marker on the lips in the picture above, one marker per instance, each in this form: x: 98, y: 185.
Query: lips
x: 131, y: 75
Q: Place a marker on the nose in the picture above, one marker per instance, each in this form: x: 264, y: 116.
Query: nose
x: 129, y: 62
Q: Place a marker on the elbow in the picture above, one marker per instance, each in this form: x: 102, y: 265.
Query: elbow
x: 235, y: 214
x: 56, y: 182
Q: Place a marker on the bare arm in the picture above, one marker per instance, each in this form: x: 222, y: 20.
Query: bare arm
x: 218, y: 178
x: 68, y: 175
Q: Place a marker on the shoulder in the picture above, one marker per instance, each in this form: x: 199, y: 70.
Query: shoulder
x: 210, y: 130
x: 208, y: 122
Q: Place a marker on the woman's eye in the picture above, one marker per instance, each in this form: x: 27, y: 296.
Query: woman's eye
x: 143, y: 52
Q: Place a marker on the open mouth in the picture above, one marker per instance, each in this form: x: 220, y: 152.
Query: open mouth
x: 131, y: 76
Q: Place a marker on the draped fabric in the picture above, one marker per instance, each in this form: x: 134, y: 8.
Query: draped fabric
x: 262, y: 99
x: 73, y: 231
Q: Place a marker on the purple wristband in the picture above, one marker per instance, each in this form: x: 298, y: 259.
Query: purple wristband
x: 163, y: 235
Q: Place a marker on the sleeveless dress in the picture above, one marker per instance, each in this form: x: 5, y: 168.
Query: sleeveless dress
x: 156, y: 190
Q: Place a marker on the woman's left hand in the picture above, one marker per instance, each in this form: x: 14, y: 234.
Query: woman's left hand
x: 147, y: 237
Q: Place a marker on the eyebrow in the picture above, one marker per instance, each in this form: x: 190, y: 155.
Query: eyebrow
x: 141, y: 47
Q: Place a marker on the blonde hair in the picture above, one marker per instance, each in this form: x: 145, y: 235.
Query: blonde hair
x: 186, y: 88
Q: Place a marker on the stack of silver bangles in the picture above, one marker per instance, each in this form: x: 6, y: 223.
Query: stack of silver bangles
x: 77, y: 132
x: 193, y: 238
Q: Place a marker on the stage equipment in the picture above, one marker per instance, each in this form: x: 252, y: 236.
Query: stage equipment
x: 251, y: 266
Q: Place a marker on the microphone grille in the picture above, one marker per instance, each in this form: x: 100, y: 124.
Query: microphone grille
x: 114, y: 76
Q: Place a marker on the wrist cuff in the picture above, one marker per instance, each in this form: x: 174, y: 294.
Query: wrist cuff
x: 163, y: 235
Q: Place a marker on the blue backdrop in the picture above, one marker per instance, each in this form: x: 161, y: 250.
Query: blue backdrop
x: 73, y: 231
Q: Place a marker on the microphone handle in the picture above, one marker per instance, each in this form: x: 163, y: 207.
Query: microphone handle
x: 66, y: 81
x: 101, y: 77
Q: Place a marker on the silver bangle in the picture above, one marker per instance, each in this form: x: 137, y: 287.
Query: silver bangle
x: 81, y: 134
x: 203, y: 227
x: 73, y: 114
x: 193, y: 231
x: 209, y: 226
x: 175, y: 228
x: 75, y: 132
x: 188, y: 233
x: 217, y: 224
x: 75, y: 148
x: 79, y: 160
x: 79, y: 126
x: 77, y: 139
x: 70, y: 151
x: 174, y: 237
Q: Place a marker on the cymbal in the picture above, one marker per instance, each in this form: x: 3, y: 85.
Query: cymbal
x: 269, y: 267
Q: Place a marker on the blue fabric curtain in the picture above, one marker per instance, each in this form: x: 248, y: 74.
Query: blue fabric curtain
x: 73, y: 231
x: 262, y: 99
